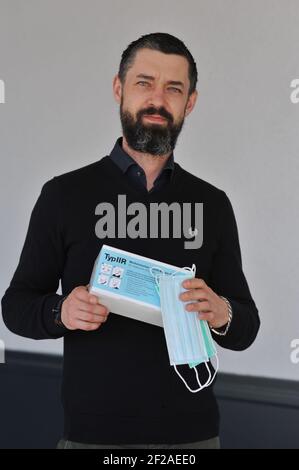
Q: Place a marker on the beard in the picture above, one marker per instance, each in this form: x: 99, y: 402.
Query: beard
x: 153, y: 138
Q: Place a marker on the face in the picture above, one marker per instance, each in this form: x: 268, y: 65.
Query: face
x: 154, y: 101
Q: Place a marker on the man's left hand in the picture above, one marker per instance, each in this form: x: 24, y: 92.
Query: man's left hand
x: 209, y: 305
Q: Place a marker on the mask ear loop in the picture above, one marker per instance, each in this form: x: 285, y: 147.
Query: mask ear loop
x: 208, y: 382
x: 197, y: 378
x: 184, y: 269
x: 157, y: 277
x: 211, y: 378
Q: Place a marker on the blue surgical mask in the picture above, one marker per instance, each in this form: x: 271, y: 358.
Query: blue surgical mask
x: 188, y: 338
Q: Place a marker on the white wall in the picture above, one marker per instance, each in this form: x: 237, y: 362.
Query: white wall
x: 57, y: 59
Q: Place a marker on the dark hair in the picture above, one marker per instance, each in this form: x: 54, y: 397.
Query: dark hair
x: 162, y: 42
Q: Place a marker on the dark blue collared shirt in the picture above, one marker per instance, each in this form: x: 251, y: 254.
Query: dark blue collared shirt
x: 134, y: 171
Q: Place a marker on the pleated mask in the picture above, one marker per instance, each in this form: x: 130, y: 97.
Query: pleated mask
x: 188, y: 338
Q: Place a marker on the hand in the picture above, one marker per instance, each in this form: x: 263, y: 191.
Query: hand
x: 210, y: 306
x: 82, y: 310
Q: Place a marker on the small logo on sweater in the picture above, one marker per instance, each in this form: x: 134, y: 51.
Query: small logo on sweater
x: 155, y: 220
x: 193, y: 233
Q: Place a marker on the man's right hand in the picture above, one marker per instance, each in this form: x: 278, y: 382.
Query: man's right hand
x: 82, y: 310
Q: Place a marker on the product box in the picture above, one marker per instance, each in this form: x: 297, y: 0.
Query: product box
x: 124, y: 283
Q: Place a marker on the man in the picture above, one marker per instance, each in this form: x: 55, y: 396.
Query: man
x: 118, y: 387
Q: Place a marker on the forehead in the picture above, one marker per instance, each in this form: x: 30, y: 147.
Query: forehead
x: 158, y: 64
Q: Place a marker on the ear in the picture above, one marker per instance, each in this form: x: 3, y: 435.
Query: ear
x: 191, y: 102
x: 117, y: 89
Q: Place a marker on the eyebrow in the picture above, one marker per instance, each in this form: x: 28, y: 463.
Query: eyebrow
x: 170, y: 82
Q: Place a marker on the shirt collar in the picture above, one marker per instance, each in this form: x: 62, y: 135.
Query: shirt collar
x: 124, y: 161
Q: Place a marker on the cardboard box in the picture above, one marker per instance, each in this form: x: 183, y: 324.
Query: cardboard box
x: 124, y: 284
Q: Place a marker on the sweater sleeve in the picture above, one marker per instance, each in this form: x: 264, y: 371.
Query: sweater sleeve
x: 28, y: 301
x: 228, y: 280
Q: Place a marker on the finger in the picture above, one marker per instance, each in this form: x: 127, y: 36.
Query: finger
x: 91, y: 317
x: 194, y: 283
x: 194, y: 294
x: 92, y: 298
x: 209, y: 316
x: 86, y: 326
x: 198, y: 307
x: 96, y: 309
x: 81, y: 293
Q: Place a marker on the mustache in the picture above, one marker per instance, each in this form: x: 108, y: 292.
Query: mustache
x: 162, y: 113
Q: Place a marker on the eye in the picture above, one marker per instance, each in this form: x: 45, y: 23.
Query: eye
x: 177, y: 89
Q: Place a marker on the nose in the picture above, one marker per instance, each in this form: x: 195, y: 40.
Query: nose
x: 156, y: 98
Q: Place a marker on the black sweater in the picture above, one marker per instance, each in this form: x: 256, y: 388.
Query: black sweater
x: 118, y: 386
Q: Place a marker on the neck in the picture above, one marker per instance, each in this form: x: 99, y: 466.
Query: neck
x: 151, y: 164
